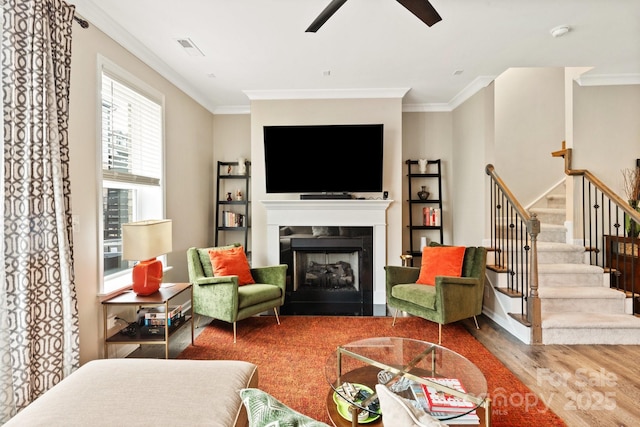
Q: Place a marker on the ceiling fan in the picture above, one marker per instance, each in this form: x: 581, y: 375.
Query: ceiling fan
x: 420, y: 8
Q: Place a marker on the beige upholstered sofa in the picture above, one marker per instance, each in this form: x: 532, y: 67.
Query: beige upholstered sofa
x: 145, y: 392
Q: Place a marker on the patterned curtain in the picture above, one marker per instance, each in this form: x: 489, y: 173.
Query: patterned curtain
x: 39, y: 342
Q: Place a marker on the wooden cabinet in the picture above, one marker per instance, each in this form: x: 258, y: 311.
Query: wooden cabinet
x: 425, y: 213
x: 623, y: 256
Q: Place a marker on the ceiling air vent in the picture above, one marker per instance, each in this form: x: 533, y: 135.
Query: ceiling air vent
x: 190, y: 47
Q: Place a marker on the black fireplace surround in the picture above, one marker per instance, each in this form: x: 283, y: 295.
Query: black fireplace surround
x: 334, y: 270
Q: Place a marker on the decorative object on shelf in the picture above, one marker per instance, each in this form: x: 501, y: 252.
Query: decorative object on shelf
x: 242, y: 166
x: 239, y: 195
x: 423, y: 194
x: 632, y: 190
x: 407, y: 260
x: 143, y: 241
x: 422, y: 165
x: 423, y: 243
x: 229, y: 198
x: 229, y: 170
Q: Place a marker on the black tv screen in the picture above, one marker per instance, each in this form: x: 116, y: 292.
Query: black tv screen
x: 323, y: 158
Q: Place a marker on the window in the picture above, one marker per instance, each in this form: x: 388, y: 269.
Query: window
x: 132, y: 166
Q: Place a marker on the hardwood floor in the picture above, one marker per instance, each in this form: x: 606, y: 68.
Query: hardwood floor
x: 585, y: 385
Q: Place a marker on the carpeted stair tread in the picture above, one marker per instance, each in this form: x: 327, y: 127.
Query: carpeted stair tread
x: 590, y: 321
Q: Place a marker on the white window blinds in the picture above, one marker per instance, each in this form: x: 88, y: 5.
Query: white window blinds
x: 131, y: 135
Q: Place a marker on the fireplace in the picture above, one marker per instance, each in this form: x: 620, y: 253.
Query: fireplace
x: 331, y: 218
x: 328, y: 274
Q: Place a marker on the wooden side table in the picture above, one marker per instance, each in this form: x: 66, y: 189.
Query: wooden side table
x: 162, y: 298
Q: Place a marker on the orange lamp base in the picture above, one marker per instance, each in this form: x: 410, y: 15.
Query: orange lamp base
x: 147, y: 276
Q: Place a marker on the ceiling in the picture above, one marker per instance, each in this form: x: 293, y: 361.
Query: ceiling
x: 259, y: 48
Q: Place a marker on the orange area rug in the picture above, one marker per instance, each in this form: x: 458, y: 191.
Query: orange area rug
x: 291, y: 358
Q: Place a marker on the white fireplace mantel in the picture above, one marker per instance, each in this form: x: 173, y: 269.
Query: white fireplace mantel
x: 340, y: 213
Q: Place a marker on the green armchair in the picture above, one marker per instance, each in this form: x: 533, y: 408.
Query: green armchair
x: 222, y: 298
x: 450, y: 300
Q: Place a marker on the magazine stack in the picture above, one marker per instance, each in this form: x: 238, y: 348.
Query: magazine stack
x: 447, y: 408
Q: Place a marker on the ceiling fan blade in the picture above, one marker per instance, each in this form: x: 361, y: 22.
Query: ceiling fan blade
x: 423, y: 10
x: 325, y: 15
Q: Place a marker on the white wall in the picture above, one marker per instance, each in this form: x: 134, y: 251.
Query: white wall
x: 472, y: 144
x: 232, y: 136
x: 607, y: 131
x: 189, y: 148
x: 529, y: 125
x: 428, y: 136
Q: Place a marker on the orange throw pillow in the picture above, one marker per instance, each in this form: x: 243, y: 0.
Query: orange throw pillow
x: 440, y: 261
x: 231, y: 262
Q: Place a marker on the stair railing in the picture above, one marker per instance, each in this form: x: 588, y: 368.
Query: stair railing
x: 607, y: 221
x: 514, y: 234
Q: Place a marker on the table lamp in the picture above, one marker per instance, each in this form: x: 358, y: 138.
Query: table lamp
x: 143, y: 241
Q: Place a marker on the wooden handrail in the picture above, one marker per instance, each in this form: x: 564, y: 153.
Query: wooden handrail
x: 618, y: 201
x: 509, y: 195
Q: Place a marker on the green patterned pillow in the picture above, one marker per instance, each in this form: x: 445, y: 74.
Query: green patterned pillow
x: 265, y: 410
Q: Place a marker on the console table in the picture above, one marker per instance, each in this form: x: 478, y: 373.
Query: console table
x: 162, y: 298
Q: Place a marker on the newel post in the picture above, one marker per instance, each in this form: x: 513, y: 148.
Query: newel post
x: 533, y: 304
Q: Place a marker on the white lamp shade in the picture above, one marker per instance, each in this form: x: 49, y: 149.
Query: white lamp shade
x: 144, y: 240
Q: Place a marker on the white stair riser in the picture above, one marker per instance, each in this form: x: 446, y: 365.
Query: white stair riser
x: 557, y: 202
x: 550, y: 216
x: 569, y: 279
x: 560, y: 257
x: 552, y: 236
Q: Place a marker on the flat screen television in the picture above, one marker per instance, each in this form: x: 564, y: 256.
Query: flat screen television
x: 323, y: 159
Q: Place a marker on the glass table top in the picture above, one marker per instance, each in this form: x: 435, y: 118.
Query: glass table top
x: 407, y: 367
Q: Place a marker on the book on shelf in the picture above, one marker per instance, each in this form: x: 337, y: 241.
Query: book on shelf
x: 431, y: 217
x: 160, y: 321
x: 158, y: 312
x: 232, y: 219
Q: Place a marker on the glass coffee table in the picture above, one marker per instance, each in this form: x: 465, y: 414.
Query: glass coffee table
x: 410, y: 368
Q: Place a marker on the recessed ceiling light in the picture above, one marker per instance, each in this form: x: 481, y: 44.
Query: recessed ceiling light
x: 326, y: 73
x: 458, y: 72
x: 560, y: 30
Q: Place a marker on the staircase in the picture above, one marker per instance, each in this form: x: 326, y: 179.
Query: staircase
x: 577, y: 304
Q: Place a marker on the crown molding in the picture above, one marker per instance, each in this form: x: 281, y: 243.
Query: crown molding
x: 232, y: 109
x: 608, y: 79
x: 260, y: 95
x: 471, y: 89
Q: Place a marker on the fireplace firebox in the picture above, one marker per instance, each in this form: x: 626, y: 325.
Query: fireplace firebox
x: 329, y: 274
